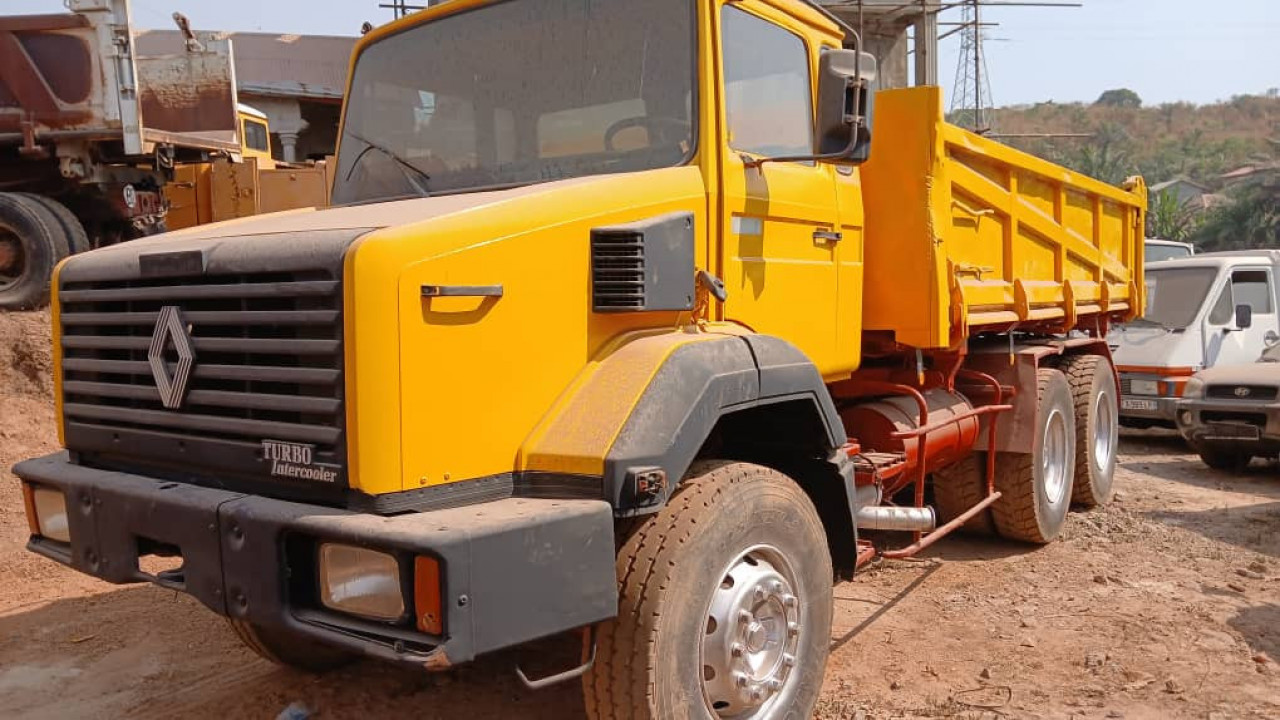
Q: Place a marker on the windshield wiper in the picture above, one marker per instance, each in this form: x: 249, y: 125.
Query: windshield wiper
x: 417, y: 177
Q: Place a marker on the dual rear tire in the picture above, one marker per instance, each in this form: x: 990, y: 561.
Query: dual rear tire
x: 1073, y: 458
x: 36, y: 233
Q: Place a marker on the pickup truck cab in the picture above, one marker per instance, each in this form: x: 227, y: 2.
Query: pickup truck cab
x: 1202, y: 311
x: 1231, y: 415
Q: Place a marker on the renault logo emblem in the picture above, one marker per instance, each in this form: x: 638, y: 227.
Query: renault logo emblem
x: 171, y: 331
x: 1242, y: 392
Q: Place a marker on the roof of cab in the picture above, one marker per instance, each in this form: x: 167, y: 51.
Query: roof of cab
x: 1219, y: 259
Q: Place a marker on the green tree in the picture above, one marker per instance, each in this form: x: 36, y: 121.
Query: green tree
x: 1169, y: 219
x: 1120, y: 97
x: 1252, y: 220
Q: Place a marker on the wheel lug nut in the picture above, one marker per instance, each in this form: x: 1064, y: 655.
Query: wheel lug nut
x: 777, y: 587
x: 790, y: 601
x: 740, y: 679
x: 757, y: 693
x: 744, y: 617
x: 759, y: 594
x: 793, y: 629
x: 789, y: 660
x: 737, y: 650
x: 775, y: 685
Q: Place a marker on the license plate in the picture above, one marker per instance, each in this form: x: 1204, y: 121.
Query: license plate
x: 1138, y: 404
x: 1224, y: 431
x: 1144, y: 387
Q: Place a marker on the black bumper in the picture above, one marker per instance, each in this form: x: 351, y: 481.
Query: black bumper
x: 513, y: 570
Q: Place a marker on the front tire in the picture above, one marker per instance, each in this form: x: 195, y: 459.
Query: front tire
x: 1036, y: 488
x: 287, y: 649
x: 1232, y: 461
x: 1093, y: 391
x: 724, y: 605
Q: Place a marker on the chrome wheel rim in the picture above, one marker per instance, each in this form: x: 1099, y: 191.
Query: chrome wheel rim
x: 1053, y: 457
x: 1104, y: 432
x: 752, y: 630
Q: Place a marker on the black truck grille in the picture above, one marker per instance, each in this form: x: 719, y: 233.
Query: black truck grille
x: 1255, y: 393
x: 267, y: 366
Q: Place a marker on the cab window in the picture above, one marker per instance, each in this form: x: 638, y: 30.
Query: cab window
x: 1252, y: 288
x: 255, y: 135
x: 766, y: 87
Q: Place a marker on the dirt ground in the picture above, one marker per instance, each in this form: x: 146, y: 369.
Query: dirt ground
x: 1164, y: 605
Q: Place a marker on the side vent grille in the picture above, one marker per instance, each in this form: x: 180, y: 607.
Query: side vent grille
x: 617, y: 271
x: 643, y: 266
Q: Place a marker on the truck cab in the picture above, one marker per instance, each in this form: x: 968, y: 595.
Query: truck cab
x: 1208, y: 310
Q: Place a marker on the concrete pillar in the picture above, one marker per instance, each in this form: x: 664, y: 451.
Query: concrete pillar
x: 288, y: 146
x: 926, y: 32
x: 891, y: 53
x: 285, y: 117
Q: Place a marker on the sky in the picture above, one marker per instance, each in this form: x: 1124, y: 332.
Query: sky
x: 1166, y: 50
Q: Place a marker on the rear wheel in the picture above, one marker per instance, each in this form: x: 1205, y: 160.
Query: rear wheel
x: 724, y: 605
x: 1036, y: 487
x: 31, y: 243
x: 958, y: 487
x: 1232, y: 461
x: 1093, y: 392
x: 283, y: 647
x: 76, y: 238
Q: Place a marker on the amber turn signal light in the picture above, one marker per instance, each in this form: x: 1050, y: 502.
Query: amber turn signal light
x: 426, y: 595
x: 29, y: 501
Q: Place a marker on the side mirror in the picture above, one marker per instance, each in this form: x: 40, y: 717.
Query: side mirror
x: 1244, y: 317
x: 846, y: 81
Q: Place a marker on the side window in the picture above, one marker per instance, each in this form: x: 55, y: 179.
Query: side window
x: 1224, y: 309
x: 767, y: 88
x: 255, y: 135
x: 1253, y: 288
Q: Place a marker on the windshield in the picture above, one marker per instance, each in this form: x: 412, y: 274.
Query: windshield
x: 1174, y: 296
x: 1156, y: 253
x: 520, y: 92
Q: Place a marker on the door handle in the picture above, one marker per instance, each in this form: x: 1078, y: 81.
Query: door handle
x: 827, y: 236
x: 494, y: 291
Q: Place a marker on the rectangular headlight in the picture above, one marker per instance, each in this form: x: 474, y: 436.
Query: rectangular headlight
x: 1145, y: 387
x: 51, y: 514
x: 360, y: 582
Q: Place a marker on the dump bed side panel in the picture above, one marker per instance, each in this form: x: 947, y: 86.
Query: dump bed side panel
x: 965, y: 234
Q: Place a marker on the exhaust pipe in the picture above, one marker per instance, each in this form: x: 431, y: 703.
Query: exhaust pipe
x: 892, y: 517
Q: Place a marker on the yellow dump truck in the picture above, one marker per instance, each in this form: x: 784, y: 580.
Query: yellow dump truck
x: 635, y: 321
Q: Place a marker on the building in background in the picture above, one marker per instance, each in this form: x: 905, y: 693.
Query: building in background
x: 297, y: 80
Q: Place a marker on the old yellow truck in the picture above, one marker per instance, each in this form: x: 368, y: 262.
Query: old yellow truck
x: 633, y: 320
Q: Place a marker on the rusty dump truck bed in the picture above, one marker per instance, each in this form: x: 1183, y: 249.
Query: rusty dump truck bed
x: 964, y: 234
x: 74, y: 75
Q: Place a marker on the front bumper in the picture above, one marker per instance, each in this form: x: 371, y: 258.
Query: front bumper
x: 1230, y: 423
x: 513, y: 570
x: 1149, y: 407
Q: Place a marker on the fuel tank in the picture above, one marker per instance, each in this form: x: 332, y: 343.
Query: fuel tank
x: 875, y: 422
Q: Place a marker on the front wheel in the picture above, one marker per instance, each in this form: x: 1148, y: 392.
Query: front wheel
x: 1232, y: 461
x: 285, y: 648
x: 724, y: 605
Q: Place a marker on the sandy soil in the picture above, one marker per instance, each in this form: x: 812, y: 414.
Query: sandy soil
x: 1164, y: 605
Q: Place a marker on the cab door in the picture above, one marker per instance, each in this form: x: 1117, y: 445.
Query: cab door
x: 779, y: 226
x: 1229, y: 344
